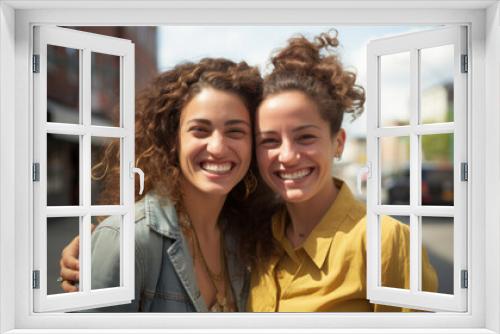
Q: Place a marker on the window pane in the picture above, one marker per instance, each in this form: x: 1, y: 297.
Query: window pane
x: 437, y: 169
x: 395, y: 253
x: 395, y: 89
x: 63, y: 84
x: 436, y: 75
x: 63, y: 169
x: 437, y: 239
x: 60, y: 231
x: 105, y: 80
x: 395, y: 171
x: 106, y: 252
x: 105, y: 171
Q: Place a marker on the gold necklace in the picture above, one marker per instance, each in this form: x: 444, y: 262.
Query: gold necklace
x: 221, y: 301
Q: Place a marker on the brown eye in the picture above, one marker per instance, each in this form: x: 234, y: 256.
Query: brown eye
x: 268, y: 142
x: 306, y: 139
x: 198, y: 131
x: 236, y: 133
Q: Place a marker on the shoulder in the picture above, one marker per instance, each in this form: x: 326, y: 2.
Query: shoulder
x: 143, y: 232
x: 392, y: 228
x: 114, y: 222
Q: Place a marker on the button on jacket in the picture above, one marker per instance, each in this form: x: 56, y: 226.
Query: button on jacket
x: 327, y: 273
x: 164, y: 274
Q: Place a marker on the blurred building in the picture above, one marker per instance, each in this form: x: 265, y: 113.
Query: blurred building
x: 63, y: 81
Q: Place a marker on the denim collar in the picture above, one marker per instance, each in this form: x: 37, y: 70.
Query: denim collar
x: 161, y: 216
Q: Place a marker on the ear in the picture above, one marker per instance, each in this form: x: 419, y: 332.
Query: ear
x: 338, y: 143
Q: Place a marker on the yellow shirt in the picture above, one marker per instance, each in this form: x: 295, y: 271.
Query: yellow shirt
x: 327, y: 273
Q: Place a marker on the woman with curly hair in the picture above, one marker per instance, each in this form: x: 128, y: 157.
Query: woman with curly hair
x: 320, y: 230
x: 194, y: 225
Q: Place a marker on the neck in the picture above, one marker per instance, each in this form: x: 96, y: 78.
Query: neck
x: 307, y: 214
x: 203, y: 209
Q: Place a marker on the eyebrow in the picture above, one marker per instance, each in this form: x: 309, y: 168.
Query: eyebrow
x: 297, y: 129
x: 227, y: 123
x: 302, y: 127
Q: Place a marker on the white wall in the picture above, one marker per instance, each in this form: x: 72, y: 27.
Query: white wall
x: 6, y: 167
x: 492, y: 64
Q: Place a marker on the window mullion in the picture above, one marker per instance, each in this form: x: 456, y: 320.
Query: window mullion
x: 85, y: 231
x: 414, y: 171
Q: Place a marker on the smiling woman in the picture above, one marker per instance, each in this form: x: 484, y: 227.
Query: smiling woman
x: 320, y: 231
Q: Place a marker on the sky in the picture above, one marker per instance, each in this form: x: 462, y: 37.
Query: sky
x: 255, y: 44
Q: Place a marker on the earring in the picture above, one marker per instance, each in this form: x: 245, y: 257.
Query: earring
x: 250, y: 182
x: 338, y: 157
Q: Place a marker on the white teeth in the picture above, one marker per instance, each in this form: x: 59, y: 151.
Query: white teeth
x: 216, y: 168
x: 295, y: 175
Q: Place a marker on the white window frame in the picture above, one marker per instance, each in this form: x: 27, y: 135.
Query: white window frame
x: 16, y: 20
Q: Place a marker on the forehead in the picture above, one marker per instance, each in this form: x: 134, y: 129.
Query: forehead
x: 292, y: 108
x: 213, y: 104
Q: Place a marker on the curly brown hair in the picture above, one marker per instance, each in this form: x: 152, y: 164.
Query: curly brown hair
x: 157, y: 117
x: 309, y: 67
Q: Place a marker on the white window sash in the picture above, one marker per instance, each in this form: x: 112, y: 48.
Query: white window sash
x: 85, y: 43
x: 413, y: 297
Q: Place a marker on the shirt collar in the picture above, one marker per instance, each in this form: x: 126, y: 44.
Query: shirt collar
x: 317, y: 244
x: 161, y: 216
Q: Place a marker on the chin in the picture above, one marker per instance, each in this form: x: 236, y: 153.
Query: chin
x: 294, y: 196
x: 216, y: 189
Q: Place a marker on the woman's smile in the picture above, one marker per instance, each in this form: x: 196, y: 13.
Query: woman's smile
x: 217, y: 168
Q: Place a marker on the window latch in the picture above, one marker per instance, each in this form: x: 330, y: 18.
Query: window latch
x: 363, y: 171
x: 135, y: 170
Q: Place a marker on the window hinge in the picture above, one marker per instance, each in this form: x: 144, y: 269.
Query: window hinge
x: 36, y: 172
x: 465, y: 279
x: 464, y: 171
x: 465, y: 64
x: 36, y: 63
x: 36, y: 279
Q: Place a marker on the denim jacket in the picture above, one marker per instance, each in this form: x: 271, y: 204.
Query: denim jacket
x: 164, y: 273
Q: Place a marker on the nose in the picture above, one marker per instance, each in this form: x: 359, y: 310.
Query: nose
x: 216, y: 144
x: 288, y: 154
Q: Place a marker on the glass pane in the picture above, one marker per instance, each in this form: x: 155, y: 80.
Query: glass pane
x: 105, y: 80
x: 63, y: 84
x: 437, y: 240
x: 437, y: 169
x: 395, y: 89
x: 105, y: 171
x: 395, y: 252
x: 436, y: 75
x: 60, y: 232
x: 106, y: 252
x: 63, y: 166
x: 395, y: 170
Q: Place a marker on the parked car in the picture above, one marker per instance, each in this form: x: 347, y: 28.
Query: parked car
x: 437, y: 185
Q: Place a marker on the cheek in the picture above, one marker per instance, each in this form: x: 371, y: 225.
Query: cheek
x: 243, y: 149
x: 263, y: 159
